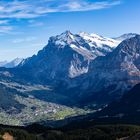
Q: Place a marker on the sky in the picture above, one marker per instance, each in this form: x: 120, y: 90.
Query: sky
x: 26, y: 25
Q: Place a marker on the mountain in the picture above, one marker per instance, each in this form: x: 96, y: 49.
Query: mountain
x: 87, y: 66
x: 71, y: 73
x: 125, y: 36
x: 13, y: 63
x: 99, y: 44
x: 2, y: 63
x: 67, y: 56
x: 110, y: 76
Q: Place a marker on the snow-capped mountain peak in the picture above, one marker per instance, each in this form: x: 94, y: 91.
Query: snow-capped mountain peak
x: 66, y: 35
x: 74, y: 51
x: 125, y: 36
x: 63, y: 39
x: 13, y: 63
x: 88, y: 45
x: 2, y: 63
x: 99, y: 41
x: 83, y: 34
x: 94, y: 35
x: 95, y: 43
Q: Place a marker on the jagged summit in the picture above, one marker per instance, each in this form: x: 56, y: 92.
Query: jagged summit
x: 88, y: 45
x: 63, y: 39
x: 93, y: 40
x: 65, y: 35
x: 83, y: 34
x: 96, y: 44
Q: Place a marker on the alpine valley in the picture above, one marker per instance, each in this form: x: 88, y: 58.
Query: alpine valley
x: 74, y: 74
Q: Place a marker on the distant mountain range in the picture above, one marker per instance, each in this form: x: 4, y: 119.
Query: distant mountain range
x: 12, y: 63
x: 2, y: 63
x: 125, y: 36
x: 71, y: 73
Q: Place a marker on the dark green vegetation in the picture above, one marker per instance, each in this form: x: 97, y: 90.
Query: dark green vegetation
x: 72, y: 132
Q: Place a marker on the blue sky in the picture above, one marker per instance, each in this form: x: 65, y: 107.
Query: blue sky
x: 26, y: 25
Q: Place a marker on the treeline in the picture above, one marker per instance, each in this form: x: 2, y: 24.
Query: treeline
x: 98, y: 132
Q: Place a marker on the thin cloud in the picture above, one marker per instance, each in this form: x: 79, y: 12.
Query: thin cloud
x: 5, y: 29
x: 21, y: 40
x: 27, y: 9
x: 31, y: 9
x: 4, y: 22
x: 34, y: 23
x: 86, y: 6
